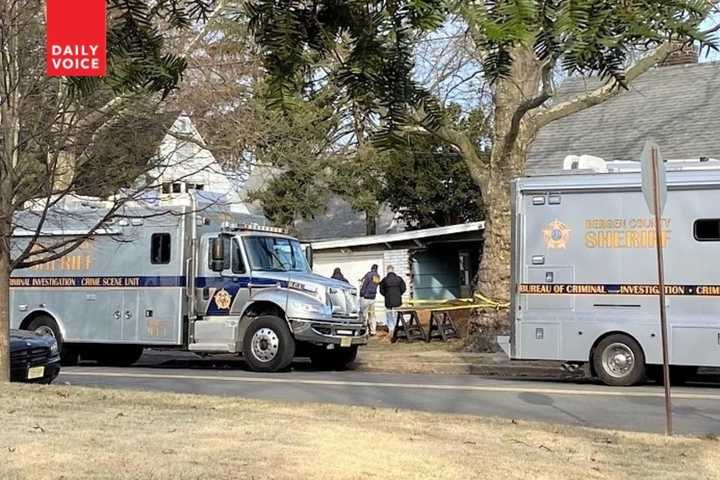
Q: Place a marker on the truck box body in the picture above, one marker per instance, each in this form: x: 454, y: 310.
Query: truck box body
x: 584, y: 266
x: 145, y: 279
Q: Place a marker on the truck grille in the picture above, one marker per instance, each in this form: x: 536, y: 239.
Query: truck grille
x: 35, y: 356
x: 343, y: 302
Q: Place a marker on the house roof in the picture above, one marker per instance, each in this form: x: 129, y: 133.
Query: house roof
x: 399, y: 237
x: 341, y: 221
x: 677, y: 106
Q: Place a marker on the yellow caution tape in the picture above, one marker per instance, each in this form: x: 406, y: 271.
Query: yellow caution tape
x: 478, y: 301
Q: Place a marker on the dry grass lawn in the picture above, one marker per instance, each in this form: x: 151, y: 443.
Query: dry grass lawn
x: 78, y: 433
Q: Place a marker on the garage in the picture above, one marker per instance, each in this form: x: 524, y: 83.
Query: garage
x: 354, y: 266
x: 436, y: 263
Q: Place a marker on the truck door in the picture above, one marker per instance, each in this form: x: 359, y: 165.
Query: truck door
x: 226, y: 292
x: 546, y: 272
x: 129, y: 318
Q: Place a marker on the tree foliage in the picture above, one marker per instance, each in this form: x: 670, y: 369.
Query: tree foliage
x: 588, y: 36
x: 138, y: 59
x: 428, y: 183
x: 371, y: 41
x: 584, y: 36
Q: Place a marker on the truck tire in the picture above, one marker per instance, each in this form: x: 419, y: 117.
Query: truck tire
x: 46, y: 325
x: 335, y: 359
x: 119, y: 355
x: 268, y: 345
x: 619, y: 361
x: 679, y: 374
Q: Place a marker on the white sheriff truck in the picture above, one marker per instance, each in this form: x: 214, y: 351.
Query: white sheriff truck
x: 179, y: 274
x: 584, y: 272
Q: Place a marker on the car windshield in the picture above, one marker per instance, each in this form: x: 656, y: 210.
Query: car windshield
x: 275, y: 254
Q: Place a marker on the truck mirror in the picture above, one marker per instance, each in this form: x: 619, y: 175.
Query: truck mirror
x: 309, y: 255
x: 217, y: 253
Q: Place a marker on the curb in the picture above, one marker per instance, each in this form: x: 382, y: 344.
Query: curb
x: 487, y: 370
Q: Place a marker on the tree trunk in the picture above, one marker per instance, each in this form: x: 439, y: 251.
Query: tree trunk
x: 4, y: 315
x: 505, y: 164
x: 370, y: 222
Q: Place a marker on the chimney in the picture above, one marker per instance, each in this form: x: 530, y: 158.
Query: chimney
x: 682, y: 54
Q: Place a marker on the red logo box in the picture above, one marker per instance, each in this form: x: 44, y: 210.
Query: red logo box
x: 76, y: 38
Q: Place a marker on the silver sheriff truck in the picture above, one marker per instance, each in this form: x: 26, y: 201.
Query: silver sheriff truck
x: 180, y: 274
x: 584, y: 272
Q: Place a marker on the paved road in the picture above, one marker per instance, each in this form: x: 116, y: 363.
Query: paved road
x: 696, y: 408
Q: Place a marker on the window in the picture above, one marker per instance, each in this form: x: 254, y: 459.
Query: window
x: 275, y: 254
x: 226, y: 249
x: 707, y: 230
x: 160, y: 248
x: 177, y: 188
x: 238, y: 266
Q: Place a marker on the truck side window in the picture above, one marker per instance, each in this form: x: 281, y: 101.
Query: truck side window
x: 238, y: 266
x: 707, y: 230
x: 160, y: 248
x: 226, y: 248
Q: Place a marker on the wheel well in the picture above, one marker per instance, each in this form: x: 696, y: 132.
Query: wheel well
x: 263, y: 308
x: 38, y: 313
x: 600, y: 339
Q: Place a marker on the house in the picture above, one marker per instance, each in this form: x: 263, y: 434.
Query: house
x: 436, y: 263
x: 184, y: 165
x: 676, y: 105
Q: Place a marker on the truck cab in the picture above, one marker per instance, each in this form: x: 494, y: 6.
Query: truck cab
x: 255, y: 293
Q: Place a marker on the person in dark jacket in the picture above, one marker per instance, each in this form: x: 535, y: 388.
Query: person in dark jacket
x: 368, y: 291
x: 337, y: 275
x: 392, y: 288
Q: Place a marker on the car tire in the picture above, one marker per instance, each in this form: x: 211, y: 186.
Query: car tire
x: 46, y: 325
x: 335, y: 359
x: 619, y: 361
x: 268, y: 345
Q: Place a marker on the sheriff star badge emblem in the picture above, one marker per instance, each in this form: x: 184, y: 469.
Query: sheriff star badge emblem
x: 223, y: 299
x: 556, y: 235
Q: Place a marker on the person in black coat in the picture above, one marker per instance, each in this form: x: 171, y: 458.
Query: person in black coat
x: 392, y: 288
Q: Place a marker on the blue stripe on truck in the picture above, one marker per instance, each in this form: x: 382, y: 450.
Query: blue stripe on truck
x: 97, y: 282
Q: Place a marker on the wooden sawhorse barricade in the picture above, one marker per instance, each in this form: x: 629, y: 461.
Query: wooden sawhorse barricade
x: 408, y: 327
x: 442, y: 326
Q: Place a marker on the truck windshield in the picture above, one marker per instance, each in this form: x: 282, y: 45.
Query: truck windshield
x: 273, y: 254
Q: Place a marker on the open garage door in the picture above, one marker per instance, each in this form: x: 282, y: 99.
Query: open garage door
x: 354, y: 266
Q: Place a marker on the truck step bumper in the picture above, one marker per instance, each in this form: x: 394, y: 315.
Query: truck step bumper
x: 326, y: 332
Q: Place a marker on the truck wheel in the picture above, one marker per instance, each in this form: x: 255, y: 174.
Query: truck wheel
x: 619, y: 361
x: 335, y: 359
x: 268, y: 345
x: 46, y: 325
x: 119, y: 355
x: 679, y: 375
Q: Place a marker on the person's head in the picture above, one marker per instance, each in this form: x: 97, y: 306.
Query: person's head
x: 390, y: 269
x: 337, y: 271
x: 374, y: 268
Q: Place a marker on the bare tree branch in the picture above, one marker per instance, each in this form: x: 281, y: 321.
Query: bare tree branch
x: 599, y: 95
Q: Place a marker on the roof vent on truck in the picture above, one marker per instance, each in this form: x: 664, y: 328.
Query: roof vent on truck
x: 588, y: 163
x: 235, y: 227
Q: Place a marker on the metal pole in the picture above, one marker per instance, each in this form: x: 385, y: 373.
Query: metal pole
x: 661, y: 286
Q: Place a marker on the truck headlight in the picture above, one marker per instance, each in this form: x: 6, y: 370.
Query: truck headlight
x: 54, y: 348
x: 313, y: 308
x: 312, y: 290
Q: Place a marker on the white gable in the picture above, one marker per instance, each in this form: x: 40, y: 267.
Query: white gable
x: 186, y: 162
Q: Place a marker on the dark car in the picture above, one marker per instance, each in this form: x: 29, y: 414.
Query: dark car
x: 33, y: 357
